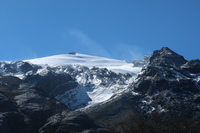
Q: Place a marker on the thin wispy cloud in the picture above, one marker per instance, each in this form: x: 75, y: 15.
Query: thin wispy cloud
x: 127, y: 52
x: 82, y: 42
x: 88, y: 44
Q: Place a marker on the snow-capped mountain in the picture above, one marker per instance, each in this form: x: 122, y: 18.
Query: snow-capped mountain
x: 117, y: 66
x: 161, y: 87
x: 98, y: 78
x: 95, y: 79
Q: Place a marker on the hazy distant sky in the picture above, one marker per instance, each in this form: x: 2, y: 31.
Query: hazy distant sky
x: 120, y: 29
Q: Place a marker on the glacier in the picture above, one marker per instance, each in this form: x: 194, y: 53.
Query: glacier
x: 118, y: 66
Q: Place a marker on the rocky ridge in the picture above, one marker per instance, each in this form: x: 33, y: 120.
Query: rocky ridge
x: 168, y: 86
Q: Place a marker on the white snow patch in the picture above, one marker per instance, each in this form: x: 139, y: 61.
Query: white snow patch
x: 135, y: 93
x: 99, y: 95
x: 118, y: 66
x: 21, y: 76
x: 198, y: 79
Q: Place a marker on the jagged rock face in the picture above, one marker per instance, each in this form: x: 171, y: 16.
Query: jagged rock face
x: 192, y: 66
x: 119, y: 108
x: 170, y: 84
x: 141, y: 63
x: 149, y: 85
x: 168, y: 70
x: 165, y: 86
x: 29, y: 108
x: 166, y: 57
x: 17, y: 67
x: 6, y: 104
x: 56, y: 83
x: 71, y: 122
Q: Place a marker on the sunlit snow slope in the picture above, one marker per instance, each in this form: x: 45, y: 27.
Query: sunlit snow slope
x: 117, y: 66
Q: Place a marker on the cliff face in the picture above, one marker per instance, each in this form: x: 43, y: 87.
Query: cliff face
x: 26, y: 108
x: 170, y: 84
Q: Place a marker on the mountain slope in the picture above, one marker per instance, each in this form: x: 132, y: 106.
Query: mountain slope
x: 90, y: 86
x: 26, y: 108
x: 166, y: 88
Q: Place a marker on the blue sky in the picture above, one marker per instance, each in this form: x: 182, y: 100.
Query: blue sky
x: 120, y: 29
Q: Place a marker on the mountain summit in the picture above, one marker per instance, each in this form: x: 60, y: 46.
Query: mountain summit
x: 166, y: 57
x: 118, y: 66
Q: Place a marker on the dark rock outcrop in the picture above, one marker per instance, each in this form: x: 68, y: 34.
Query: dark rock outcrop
x: 55, y: 83
x: 170, y: 84
x: 166, y: 57
x: 25, y: 107
x: 192, y: 66
x: 165, y: 71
